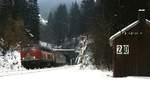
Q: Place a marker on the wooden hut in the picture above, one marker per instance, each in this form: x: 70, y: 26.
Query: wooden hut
x: 131, y: 49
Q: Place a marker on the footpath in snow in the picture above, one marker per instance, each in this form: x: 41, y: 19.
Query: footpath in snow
x: 70, y: 76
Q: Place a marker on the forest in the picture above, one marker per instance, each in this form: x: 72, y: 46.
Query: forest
x: 98, y: 19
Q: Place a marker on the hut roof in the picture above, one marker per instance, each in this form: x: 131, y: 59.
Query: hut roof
x: 116, y: 35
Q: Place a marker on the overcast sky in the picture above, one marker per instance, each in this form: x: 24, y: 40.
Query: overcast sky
x: 50, y: 5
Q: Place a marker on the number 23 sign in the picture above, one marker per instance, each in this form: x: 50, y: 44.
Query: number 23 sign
x: 122, y: 49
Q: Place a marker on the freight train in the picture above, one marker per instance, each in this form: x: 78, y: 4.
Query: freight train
x: 36, y: 57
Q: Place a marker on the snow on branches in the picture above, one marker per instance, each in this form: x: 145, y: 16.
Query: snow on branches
x: 84, y: 53
x: 10, y: 61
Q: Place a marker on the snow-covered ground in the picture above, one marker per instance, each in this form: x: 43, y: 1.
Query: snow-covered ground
x: 69, y: 76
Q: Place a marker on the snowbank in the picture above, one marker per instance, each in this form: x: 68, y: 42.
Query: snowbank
x: 10, y: 61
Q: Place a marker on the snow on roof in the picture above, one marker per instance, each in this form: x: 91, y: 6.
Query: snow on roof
x: 147, y: 22
x: 113, y: 37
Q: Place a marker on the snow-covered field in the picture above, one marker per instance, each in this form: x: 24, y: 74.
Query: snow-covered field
x: 68, y: 76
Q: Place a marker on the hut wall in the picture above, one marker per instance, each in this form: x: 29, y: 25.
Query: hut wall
x: 137, y: 62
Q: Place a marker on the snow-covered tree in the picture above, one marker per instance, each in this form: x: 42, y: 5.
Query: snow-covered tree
x: 85, y: 55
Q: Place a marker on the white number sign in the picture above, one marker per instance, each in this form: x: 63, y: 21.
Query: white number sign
x: 119, y: 49
x: 122, y: 49
x: 125, y: 49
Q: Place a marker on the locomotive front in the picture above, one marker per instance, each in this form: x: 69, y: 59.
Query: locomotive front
x: 32, y: 57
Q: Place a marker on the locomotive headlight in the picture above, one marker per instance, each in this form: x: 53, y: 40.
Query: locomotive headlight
x: 33, y: 57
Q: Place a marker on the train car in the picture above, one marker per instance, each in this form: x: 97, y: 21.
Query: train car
x: 34, y: 57
x: 37, y: 57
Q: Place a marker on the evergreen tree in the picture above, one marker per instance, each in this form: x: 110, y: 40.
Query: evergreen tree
x: 12, y: 25
x: 74, y: 21
x: 99, y: 29
x: 31, y: 19
x: 19, y: 7
x: 48, y: 31
x: 5, y: 11
x: 50, y: 19
x: 15, y: 17
x: 128, y: 11
x: 60, y: 24
x: 5, y: 14
x: 96, y: 21
x: 87, y: 13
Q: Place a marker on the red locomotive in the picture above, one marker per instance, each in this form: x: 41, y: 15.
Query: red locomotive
x: 34, y: 57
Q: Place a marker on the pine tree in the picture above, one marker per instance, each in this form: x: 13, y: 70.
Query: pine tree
x: 50, y: 19
x: 74, y: 21
x: 15, y: 17
x: 100, y: 32
x: 48, y: 31
x: 31, y: 19
x: 128, y: 11
x: 87, y: 13
x: 12, y: 25
x: 60, y: 24
x: 6, y: 9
